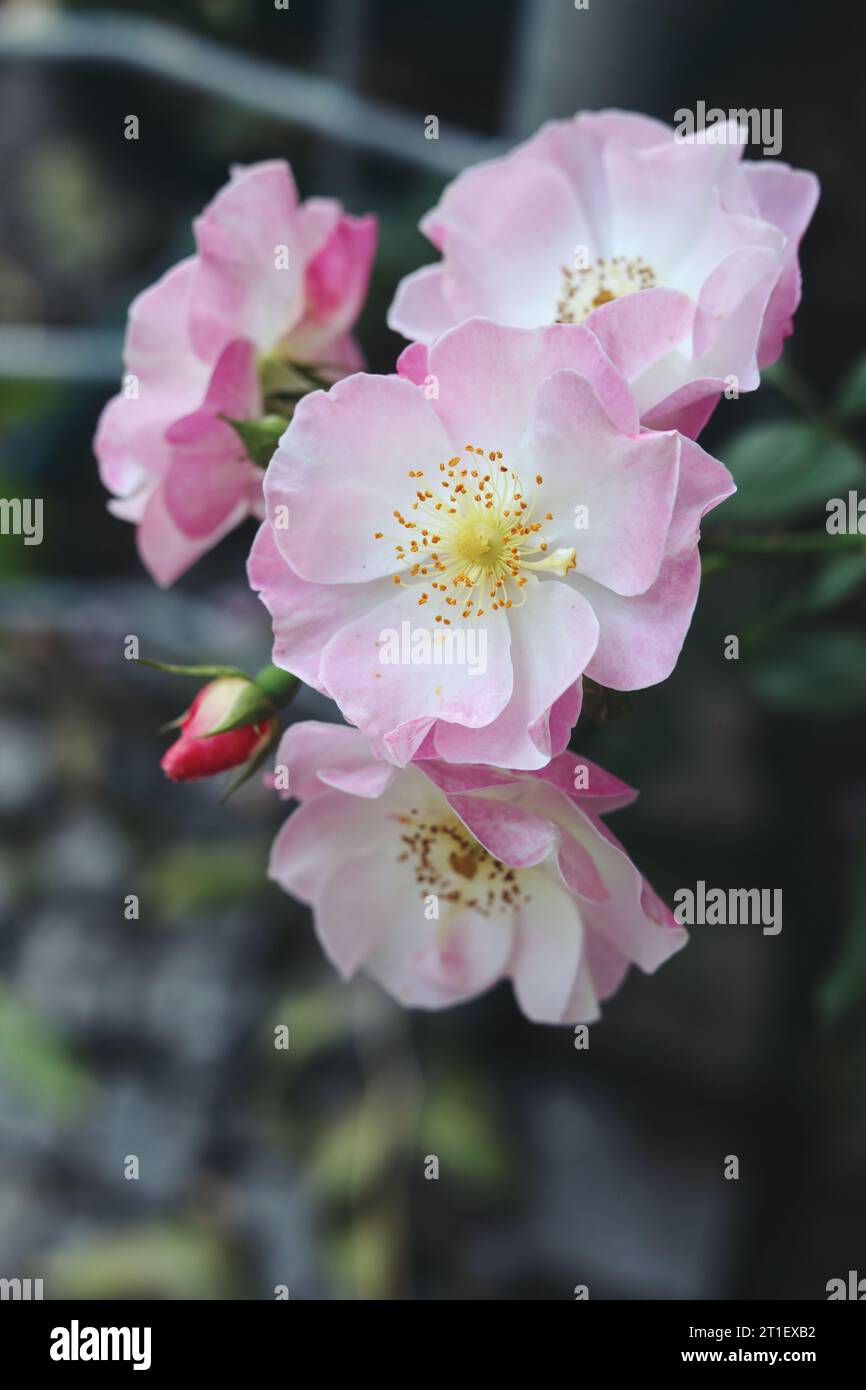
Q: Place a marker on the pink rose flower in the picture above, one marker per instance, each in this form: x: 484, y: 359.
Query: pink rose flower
x: 274, y: 283
x: 446, y: 567
x: 573, y: 223
x: 439, y: 881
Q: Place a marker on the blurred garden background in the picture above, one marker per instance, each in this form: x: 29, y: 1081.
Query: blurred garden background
x: 304, y: 1169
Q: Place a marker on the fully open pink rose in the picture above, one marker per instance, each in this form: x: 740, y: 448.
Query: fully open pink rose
x: 573, y: 223
x: 445, y: 561
x: 439, y: 881
x: 275, y: 283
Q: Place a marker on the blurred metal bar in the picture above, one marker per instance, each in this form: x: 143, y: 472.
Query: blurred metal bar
x: 564, y: 59
x: 339, y: 58
x: 29, y: 352
x: 314, y: 103
x: 325, y: 105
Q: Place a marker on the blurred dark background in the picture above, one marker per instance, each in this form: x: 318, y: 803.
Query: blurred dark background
x: 154, y: 1037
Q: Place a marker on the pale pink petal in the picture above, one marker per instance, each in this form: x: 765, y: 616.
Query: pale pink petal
x: 303, y: 857
x: 552, y: 640
x: 787, y: 198
x: 606, y: 967
x: 730, y: 311
x: 603, y: 791
x: 488, y: 378
x: 547, y: 951
x: 550, y: 734
x: 704, y: 483
x: 167, y: 381
x: 321, y: 756
x: 638, y: 330
x: 342, y: 468
x: 509, y: 227
x: 421, y: 310
x: 353, y: 918
x: 640, y: 638
x: 687, y: 409
x: 663, y: 199
x: 380, y: 696
x: 632, y: 919
x: 516, y: 836
x: 165, y: 550
x: 413, y: 363
x: 250, y: 279
x: 210, y: 471
x: 305, y: 616
x: 433, y: 965
x: 627, y: 485
x: 335, y: 286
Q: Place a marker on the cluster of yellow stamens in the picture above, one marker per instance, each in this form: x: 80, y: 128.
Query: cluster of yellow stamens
x: 587, y: 287
x: 471, y: 535
x: 450, y: 862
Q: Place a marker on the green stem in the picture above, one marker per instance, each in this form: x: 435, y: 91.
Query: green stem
x: 805, y: 544
x: 313, y: 375
x: 280, y: 685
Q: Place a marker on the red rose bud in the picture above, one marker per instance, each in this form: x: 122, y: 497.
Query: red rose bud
x: 199, y: 752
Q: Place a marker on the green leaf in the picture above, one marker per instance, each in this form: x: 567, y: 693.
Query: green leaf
x: 364, y: 1256
x: 845, y: 983
x: 191, y: 876
x: 317, y: 1019
x: 850, y: 400
x: 458, y: 1125
x: 786, y: 469
x: 835, y: 582
x: 813, y: 673
x: 354, y: 1151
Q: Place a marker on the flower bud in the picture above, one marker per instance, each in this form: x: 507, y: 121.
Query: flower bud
x: 200, y: 752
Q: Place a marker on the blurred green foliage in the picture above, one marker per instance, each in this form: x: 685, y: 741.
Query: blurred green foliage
x: 36, y: 1061
x: 190, y: 876
x: 171, y: 1260
x: 845, y: 984
x: 786, y: 469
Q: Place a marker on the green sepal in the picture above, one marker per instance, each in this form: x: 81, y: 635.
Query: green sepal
x: 259, y: 437
x: 173, y: 723
x: 280, y: 685
x: 268, y: 691
x: 175, y: 670
x: 245, y: 771
x: 252, y: 706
